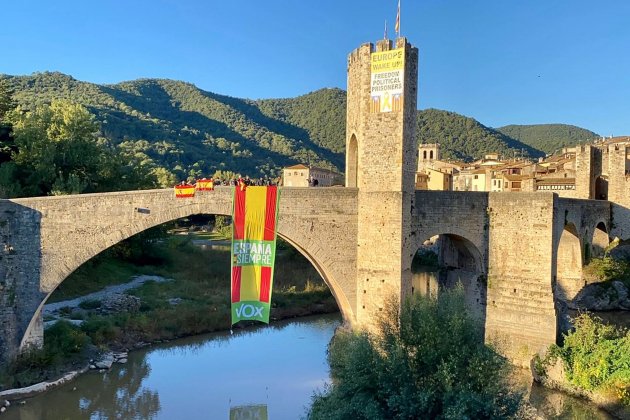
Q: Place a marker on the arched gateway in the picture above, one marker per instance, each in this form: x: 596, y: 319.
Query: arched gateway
x: 361, y: 238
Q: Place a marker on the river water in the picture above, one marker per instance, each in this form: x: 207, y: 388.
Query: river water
x: 258, y: 373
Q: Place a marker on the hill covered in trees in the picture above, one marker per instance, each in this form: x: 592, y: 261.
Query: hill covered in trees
x: 548, y: 137
x: 191, y: 132
x: 465, y: 138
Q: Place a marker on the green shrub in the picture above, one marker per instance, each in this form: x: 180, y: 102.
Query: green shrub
x: 90, y: 304
x: 101, y: 330
x: 64, y: 338
x: 608, y: 269
x: 596, y: 357
x: 431, y: 364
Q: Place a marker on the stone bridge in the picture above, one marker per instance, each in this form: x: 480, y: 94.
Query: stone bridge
x: 522, y: 245
x: 517, y: 254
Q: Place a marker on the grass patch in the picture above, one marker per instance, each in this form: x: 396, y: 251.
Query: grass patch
x: 66, y: 347
x: 90, y: 304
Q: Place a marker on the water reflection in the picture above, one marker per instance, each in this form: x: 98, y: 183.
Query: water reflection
x: 214, y: 376
x: 249, y: 412
x: 262, y: 372
x: 117, y: 394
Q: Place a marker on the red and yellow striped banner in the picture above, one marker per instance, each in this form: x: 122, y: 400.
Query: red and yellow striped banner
x: 253, y: 252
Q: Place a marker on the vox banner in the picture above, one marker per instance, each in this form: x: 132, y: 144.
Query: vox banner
x: 254, y: 220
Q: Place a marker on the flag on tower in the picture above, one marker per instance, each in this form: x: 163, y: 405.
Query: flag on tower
x: 397, y: 28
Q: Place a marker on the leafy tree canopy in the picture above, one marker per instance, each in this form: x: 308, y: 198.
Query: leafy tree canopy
x: 432, y: 364
x: 59, y: 152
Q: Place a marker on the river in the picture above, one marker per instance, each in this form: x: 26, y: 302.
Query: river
x: 263, y: 372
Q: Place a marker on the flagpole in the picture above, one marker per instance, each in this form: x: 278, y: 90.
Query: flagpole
x: 398, y: 21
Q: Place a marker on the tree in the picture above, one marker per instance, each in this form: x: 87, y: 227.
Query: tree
x: 6, y: 99
x: 59, y: 152
x: 430, y: 363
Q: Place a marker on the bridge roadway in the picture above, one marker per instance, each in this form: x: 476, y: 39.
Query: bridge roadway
x: 515, y: 237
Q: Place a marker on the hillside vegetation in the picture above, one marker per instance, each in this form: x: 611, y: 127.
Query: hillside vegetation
x: 465, y: 138
x: 190, y: 132
x: 548, y: 137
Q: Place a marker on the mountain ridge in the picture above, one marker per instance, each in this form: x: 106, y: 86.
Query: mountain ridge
x: 195, y: 132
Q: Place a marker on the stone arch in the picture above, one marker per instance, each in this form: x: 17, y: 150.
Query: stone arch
x: 457, y: 260
x: 113, y: 217
x: 352, y: 162
x: 600, y: 240
x: 569, y: 263
x: 431, y: 154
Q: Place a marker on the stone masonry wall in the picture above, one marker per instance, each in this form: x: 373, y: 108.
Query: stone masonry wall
x: 619, y: 189
x: 520, y: 317
x: 385, y: 178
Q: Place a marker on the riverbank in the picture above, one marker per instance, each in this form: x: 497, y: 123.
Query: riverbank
x: 196, y: 301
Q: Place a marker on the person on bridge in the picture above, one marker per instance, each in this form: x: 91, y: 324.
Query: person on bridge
x: 242, y: 184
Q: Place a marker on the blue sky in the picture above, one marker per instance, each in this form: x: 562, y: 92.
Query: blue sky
x: 499, y: 61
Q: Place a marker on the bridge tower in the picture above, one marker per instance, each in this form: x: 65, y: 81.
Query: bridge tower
x: 381, y: 160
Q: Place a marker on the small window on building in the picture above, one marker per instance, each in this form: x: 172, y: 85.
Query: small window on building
x: 431, y: 154
x: 516, y: 184
x: 295, y: 173
x: 499, y: 184
x: 476, y: 176
x: 424, y: 154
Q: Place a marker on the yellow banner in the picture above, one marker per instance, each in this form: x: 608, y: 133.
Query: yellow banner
x: 388, y: 74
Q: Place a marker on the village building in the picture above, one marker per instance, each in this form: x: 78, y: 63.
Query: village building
x: 310, y: 176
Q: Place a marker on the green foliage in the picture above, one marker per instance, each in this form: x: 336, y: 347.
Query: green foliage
x: 63, y: 341
x: 549, y: 138
x: 425, y: 259
x: 90, y: 304
x: 464, y: 138
x: 607, y: 269
x: 7, y: 103
x: 179, y: 131
x: 431, y: 364
x: 58, y: 152
x: 596, y: 357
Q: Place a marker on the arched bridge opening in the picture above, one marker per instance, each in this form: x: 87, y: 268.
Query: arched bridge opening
x: 180, y: 274
x: 446, y: 261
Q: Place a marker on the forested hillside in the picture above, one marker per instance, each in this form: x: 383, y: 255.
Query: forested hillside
x: 465, y: 138
x: 191, y: 132
x: 548, y: 137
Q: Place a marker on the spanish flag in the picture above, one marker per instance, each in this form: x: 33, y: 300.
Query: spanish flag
x: 184, y: 191
x: 204, y: 184
x: 254, y: 216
